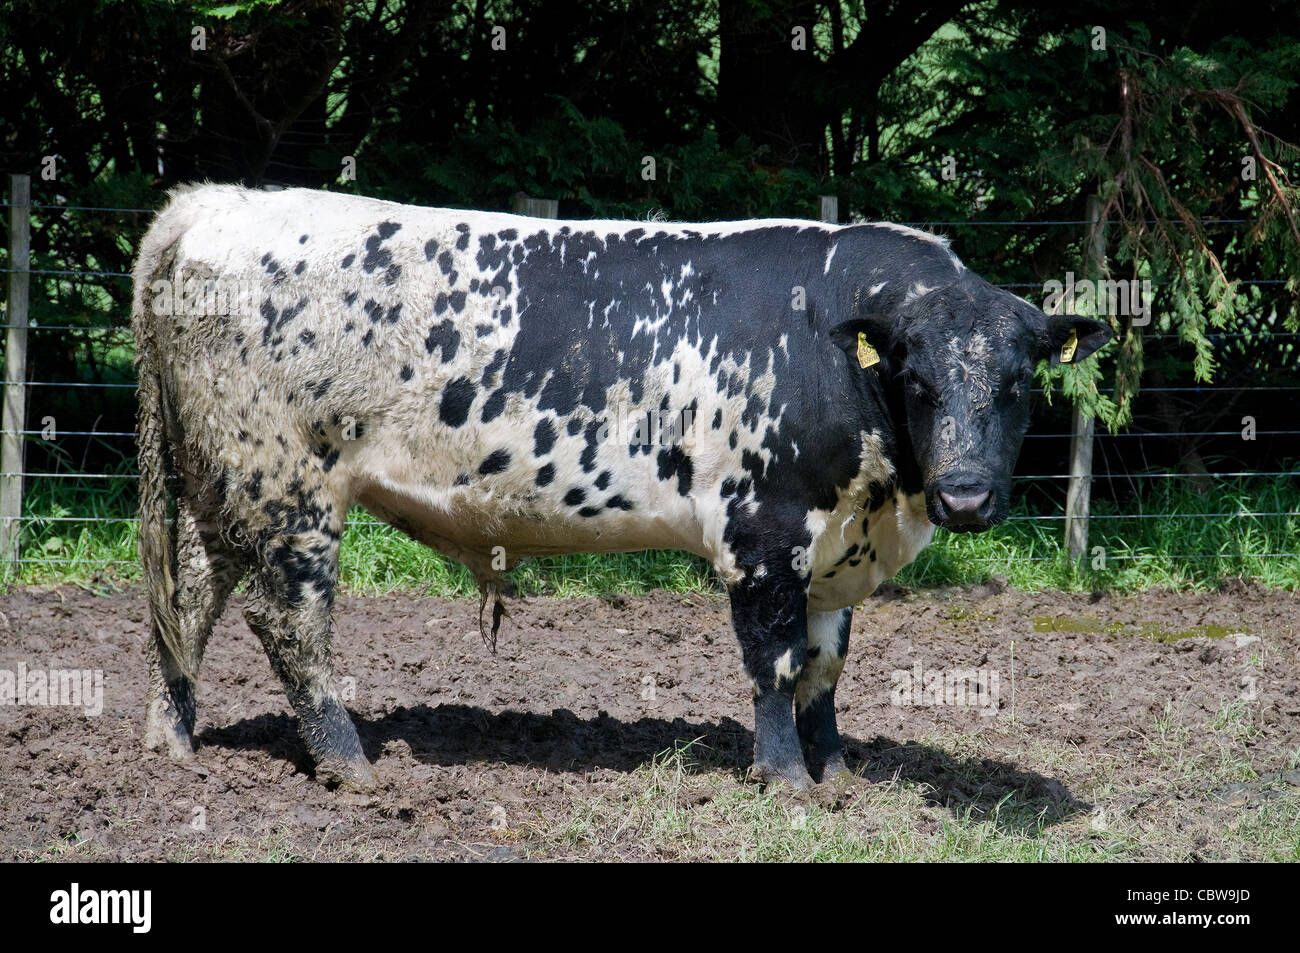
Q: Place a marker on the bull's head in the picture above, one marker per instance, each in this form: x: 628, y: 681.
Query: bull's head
x: 958, y: 365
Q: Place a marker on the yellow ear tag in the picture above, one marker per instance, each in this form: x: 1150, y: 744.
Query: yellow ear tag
x: 1069, y: 347
x: 867, y: 355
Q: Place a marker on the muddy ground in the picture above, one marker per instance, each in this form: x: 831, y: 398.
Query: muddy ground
x: 488, y: 757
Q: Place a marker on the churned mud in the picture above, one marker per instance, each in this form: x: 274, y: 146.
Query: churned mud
x: 483, y: 756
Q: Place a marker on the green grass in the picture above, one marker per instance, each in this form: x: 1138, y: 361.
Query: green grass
x: 1175, y: 551
x: 376, y: 559
x: 1163, y: 808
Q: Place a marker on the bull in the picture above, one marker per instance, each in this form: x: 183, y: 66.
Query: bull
x: 809, y: 402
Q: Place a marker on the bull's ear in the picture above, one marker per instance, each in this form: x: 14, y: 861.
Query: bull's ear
x: 1069, y: 338
x: 865, y: 339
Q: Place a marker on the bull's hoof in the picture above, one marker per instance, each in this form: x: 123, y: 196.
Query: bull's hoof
x: 164, y: 732
x: 347, y: 776
x: 839, y: 778
x: 794, y: 777
x: 835, y: 771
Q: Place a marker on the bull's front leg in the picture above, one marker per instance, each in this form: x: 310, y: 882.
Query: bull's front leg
x: 814, y: 697
x: 769, y: 611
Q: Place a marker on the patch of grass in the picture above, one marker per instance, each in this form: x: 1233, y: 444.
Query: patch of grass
x: 77, y: 530
x: 673, y: 809
x: 377, y: 559
x: 1163, y: 541
x: 1236, y: 722
x: 70, y: 847
x: 81, y: 533
x: 1174, y: 802
x: 270, y: 848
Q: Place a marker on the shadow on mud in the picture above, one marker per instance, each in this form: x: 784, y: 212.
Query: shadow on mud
x: 1023, y: 801
x: 451, y: 735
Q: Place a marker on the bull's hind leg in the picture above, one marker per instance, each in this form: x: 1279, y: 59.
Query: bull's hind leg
x: 291, y: 593
x: 814, y: 696
x: 207, y: 569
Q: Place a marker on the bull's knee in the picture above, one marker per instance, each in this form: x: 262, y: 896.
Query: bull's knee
x: 828, y: 642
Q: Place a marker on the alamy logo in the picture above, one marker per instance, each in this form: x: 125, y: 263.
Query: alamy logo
x: 958, y: 687
x: 74, y: 906
x: 211, y: 297
x: 1103, y: 297
x: 643, y: 428
x: 80, y: 688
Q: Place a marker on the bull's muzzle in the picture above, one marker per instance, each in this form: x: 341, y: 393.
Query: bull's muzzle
x: 963, y: 507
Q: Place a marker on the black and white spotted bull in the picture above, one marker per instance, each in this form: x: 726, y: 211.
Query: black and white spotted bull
x: 800, y: 404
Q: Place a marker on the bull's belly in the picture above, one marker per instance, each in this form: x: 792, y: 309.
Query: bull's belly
x: 482, y: 528
x: 850, y: 559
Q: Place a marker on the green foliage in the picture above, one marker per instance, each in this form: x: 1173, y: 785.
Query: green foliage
x: 1155, y: 129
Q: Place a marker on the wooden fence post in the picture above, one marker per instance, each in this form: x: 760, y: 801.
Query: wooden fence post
x: 525, y: 204
x: 831, y: 209
x: 1078, y: 495
x: 13, y: 421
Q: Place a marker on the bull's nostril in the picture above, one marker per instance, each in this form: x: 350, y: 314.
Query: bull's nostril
x: 967, y: 507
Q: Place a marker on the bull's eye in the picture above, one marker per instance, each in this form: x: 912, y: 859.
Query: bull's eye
x: 918, y: 387
x: 1020, y: 385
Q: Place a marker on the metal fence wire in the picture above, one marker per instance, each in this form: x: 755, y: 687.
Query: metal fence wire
x: 30, y: 524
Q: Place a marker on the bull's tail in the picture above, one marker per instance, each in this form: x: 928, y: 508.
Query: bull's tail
x: 156, y: 539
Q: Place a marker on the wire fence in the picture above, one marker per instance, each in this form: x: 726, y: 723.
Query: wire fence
x: 32, y: 524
